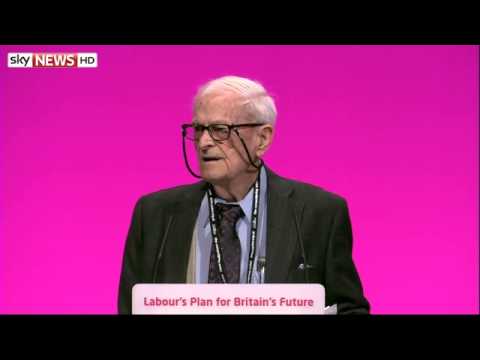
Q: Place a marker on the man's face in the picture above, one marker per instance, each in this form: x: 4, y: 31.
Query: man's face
x: 223, y: 161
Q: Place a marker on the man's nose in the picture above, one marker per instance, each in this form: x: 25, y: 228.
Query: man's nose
x: 205, y: 140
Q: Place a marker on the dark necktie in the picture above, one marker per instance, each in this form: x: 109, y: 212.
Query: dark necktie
x: 228, y: 216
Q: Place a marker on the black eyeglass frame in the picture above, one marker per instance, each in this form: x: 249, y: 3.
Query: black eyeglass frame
x: 230, y: 128
x: 209, y: 129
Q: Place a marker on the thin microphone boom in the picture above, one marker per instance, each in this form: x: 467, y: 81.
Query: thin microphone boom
x: 302, y: 248
x: 160, y: 251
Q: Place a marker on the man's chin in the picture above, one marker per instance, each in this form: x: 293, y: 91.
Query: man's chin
x: 213, y: 177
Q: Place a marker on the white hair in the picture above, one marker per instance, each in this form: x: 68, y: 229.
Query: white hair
x: 259, y: 104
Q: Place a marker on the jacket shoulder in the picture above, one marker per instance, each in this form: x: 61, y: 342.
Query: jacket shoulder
x: 315, y: 196
x: 170, y: 196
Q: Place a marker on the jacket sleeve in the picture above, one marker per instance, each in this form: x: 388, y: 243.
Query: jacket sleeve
x: 131, y: 272
x: 343, y: 286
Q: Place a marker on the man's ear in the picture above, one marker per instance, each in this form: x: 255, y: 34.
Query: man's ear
x: 265, y: 136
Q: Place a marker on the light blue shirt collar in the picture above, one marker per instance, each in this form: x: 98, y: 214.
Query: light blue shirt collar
x: 245, y: 204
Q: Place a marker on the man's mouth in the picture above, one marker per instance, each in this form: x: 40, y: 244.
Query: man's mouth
x: 211, y: 158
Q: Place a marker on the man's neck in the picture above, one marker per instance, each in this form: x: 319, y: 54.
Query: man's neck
x: 235, y: 191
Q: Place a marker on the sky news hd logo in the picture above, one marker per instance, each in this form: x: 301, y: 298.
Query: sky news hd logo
x: 52, y: 60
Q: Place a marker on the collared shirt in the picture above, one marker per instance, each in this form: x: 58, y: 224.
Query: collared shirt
x: 243, y: 227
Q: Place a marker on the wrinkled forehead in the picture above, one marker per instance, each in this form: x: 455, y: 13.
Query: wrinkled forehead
x: 224, y: 107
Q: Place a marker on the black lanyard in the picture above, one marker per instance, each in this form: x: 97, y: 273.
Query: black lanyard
x: 253, y: 231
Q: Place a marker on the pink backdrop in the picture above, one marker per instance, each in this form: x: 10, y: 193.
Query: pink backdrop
x: 393, y: 129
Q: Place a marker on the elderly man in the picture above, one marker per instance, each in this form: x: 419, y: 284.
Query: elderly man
x: 242, y: 223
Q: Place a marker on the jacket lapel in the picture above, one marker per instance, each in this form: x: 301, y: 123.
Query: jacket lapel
x: 281, y: 228
x: 179, y: 237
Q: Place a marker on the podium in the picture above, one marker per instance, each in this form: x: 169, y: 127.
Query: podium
x: 229, y: 299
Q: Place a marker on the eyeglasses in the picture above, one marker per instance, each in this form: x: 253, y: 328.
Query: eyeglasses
x: 218, y: 132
